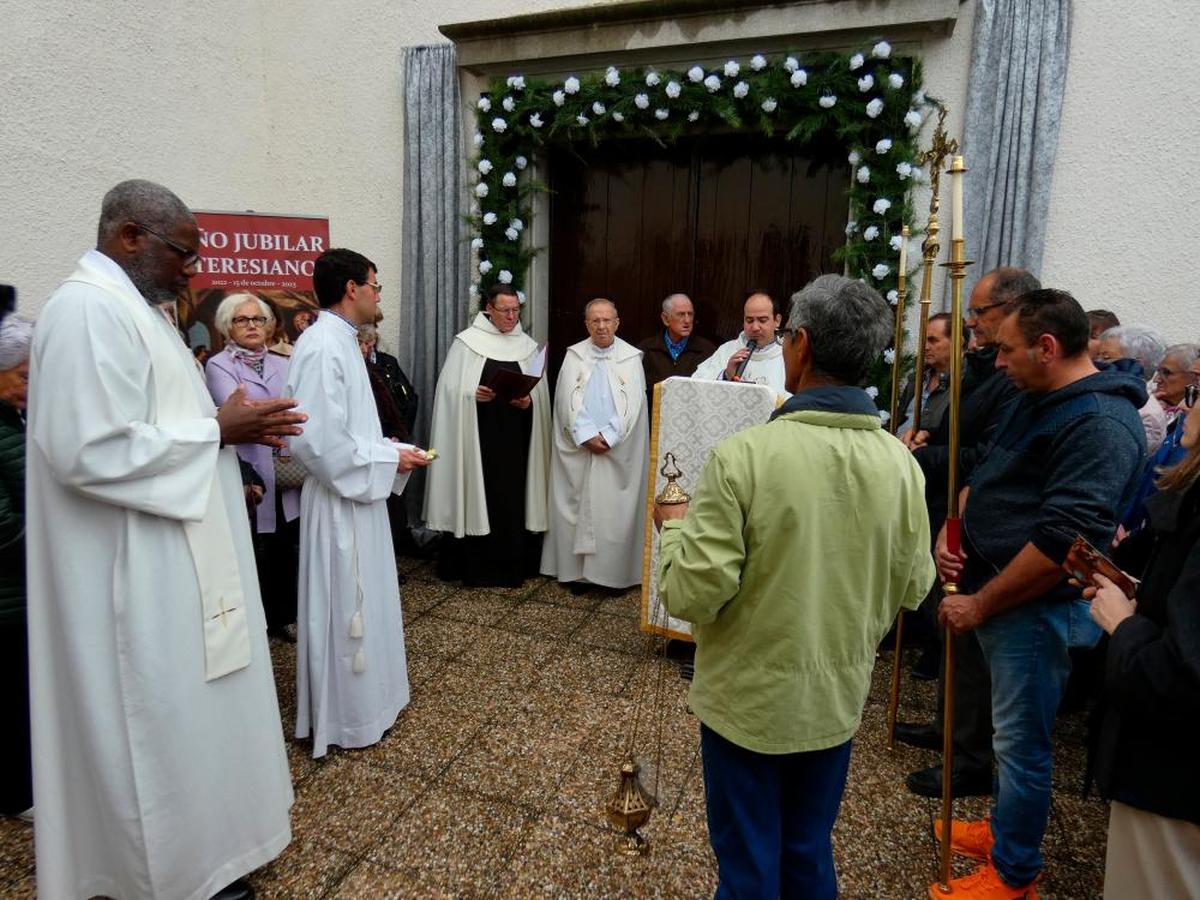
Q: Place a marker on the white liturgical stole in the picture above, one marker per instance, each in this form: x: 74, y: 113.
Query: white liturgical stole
x: 177, y: 398
x: 599, y: 413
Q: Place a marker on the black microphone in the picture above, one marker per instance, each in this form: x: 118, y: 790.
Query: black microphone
x: 750, y: 345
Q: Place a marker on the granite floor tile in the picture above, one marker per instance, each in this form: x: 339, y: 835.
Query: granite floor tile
x: 422, y: 596
x: 432, y: 636
x: 306, y: 869
x: 368, y: 879
x: 557, y: 594
x: 300, y: 760
x: 605, y: 631
x: 602, y: 673
x: 428, y: 735
x: 16, y: 855
x: 475, y: 609
x: 627, y: 605
x: 543, y: 619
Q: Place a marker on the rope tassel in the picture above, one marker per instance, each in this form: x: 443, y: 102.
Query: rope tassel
x: 360, y: 661
x: 356, y: 625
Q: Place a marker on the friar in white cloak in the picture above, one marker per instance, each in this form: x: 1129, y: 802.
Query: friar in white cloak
x: 598, y: 474
x: 351, y: 669
x: 488, y: 487
x: 754, y: 355
x: 159, y: 764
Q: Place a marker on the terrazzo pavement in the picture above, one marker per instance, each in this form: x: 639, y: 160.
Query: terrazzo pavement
x: 492, y: 782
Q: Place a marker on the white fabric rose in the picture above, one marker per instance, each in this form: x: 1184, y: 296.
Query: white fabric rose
x: 866, y: 83
x: 912, y: 119
x: 481, y: 190
x: 856, y: 62
x: 611, y: 76
x: 485, y: 166
x: 674, y: 89
x: 695, y: 74
x: 617, y: 117
x: 791, y: 64
x: 509, y: 104
x: 851, y: 227
x: 517, y: 224
x: 882, y: 205
x: 827, y: 101
x: 896, y: 241
x: 904, y: 169
x: 499, y: 125
x: 484, y: 104
x: 799, y: 78
x: 881, y: 270
x: 477, y: 139
x: 489, y: 218
x: 854, y: 158
x: 509, y: 180
x: 713, y: 83
x: 652, y: 79
x: 559, y: 98
x: 741, y: 89
x: 874, y: 108
x: 485, y: 266
x: 571, y: 85
x: 521, y: 162
x: 871, y: 391
x: 516, y: 82
x: 512, y: 234
x: 642, y: 101
x: 758, y: 62
x: 521, y: 297
x: 896, y: 81
x: 474, y: 290
x: 536, y: 120
x: 884, y: 415
x: 661, y: 114
x: 732, y: 69
x: 598, y: 108
x: 582, y: 119
x: 863, y: 175
x: 477, y: 243
x: 882, y: 50
x: 883, y: 146
x: 505, y: 276
x: 889, y: 356
x: 893, y: 296
x: 694, y: 116
x: 769, y: 105
x: 870, y: 233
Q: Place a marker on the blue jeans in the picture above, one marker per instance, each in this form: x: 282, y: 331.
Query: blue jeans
x: 1026, y: 649
x: 770, y: 818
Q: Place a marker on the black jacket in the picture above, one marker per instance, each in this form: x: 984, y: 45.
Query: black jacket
x: 1148, y: 742
x: 12, y: 515
x: 403, y: 394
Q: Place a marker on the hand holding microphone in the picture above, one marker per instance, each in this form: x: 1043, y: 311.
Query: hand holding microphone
x: 736, y: 367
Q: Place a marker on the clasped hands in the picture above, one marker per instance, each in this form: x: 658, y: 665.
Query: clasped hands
x: 268, y: 422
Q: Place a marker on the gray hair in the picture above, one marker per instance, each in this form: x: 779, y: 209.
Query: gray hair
x: 140, y: 201
x: 16, y: 336
x: 1141, y: 342
x: 588, y: 308
x: 224, y: 317
x: 1009, y: 283
x: 668, y: 304
x: 368, y: 331
x: 848, y: 325
x: 1184, y: 354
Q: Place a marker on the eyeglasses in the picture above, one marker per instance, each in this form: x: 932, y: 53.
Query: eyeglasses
x: 374, y: 285
x: 975, y: 312
x: 1189, y: 395
x: 190, y: 257
x: 260, y: 321
x: 507, y: 310
x: 1163, y: 373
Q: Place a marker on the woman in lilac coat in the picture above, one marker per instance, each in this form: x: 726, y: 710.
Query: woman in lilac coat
x: 247, y: 323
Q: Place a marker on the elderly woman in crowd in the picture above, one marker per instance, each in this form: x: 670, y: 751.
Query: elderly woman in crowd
x: 247, y: 323
x: 1145, y: 346
x: 1145, y: 751
x: 1176, y: 371
x: 16, y: 787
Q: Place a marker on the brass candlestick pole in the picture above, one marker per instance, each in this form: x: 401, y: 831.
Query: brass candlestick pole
x: 958, y: 272
x: 941, y: 148
x: 898, y: 337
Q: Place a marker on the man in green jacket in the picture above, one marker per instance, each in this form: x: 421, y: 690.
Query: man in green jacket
x: 806, y: 535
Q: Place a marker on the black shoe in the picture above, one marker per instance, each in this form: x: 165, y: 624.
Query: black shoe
x: 928, y: 665
x: 924, y: 736
x: 963, y: 783
x: 282, y: 633
x: 239, y: 890
x: 579, y: 588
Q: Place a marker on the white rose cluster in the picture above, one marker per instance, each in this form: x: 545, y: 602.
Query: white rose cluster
x: 896, y: 241
x: 485, y: 266
x: 642, y: 101
x: 484, y: 166
x: 758, y: 62
x: 559, y: 98
x: 769, y: 105
x: 695, y: 74
x: 893, y: 296
x: 694, y: 116
x: 612, y: 77
x: 856, y: 62
x: 582, y: 119
x: 618, y: 117
x: 895, y: 81
x: 882, y: 50
x: 870, y: 233
x: 571, y: 85
x: 673, y: 90
x: 512, y: 234
x: 477, y: 139
x: 828, y: 101
x: 871, y: 391
x: 882, y: 205
x: 713, y: 83
x: 521, y: 162
x: 866, y: 83
x: 883, y: 145
x: 799, y: 78
x: 536, y: 120
x: 484, y: 104
x: 732, y: 69
x: 874, y: 108
x: 791, y: 64
x: 881, y: 270
x: 661, y: 114
x: 741, y: 89
x: 652, y: 79
x: 509, y: 104
x: 855, y: 158
x: 481, y: 190
x: 863, y: 175
x: 912, y: 119
x: 598, y: 108
x: 904, y: 169
x: 489, y: 218
x: 889, y: 356
x: 509, y: 180
x: 505, y: 276
x: 516, y: 82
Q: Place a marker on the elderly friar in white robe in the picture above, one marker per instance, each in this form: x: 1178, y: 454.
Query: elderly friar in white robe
x: 754, y: 355
x: 598, y: 474
x: 159, y: 764
x: 351, y: 669
x: 487, y: 489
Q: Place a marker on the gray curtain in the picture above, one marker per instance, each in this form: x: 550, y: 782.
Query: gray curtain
x: 1014, y: 107
x: 434, y: 303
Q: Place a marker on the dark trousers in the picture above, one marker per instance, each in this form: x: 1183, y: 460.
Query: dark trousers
x: 770, y: 818
x: 16, y: 784
x: 277, y: 556
x: 972, y: 705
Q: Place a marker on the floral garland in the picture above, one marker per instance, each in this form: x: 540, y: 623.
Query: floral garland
x: 869, y: 101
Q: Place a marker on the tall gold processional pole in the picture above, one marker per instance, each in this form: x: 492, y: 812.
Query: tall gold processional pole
x: 939, y: 151
x: 958, y: 272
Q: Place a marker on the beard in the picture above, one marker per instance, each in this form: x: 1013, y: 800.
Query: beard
x: 139, y: 270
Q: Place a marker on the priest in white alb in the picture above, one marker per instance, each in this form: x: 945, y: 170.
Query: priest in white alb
x: 159, y: 765
x: 351, y: 669
x: 754, y: 355
x: 488, y: 488
x: 601, y: 450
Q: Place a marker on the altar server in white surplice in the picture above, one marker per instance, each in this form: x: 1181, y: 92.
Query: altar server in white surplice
x: 351, y: 671
x: 159, y: 765
x: 598, y: 472
x: 754, y: 355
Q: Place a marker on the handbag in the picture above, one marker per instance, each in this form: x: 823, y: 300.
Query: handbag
x: 289, y: 472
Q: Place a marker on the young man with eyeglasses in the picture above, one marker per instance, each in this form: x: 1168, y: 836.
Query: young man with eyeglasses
x: 351, y: 670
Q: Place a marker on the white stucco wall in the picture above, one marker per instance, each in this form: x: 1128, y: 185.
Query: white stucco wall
x: 298, y: 108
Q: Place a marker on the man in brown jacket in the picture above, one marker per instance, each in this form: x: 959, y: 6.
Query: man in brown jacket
x: 674, y: 350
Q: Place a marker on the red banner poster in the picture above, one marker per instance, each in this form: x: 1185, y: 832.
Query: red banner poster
x: 268, y: 256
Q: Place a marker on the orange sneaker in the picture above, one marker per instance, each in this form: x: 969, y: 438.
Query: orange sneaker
x: 971, y: 839
x: 984, y: 883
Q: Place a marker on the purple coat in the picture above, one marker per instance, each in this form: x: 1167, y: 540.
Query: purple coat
x: 224, y: 374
